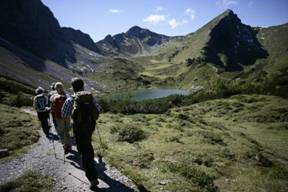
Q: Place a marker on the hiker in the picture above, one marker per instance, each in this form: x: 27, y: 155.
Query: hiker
x: 51, y: 94
x: 84, y: 111
x: 41, y: 106
x: 62, y: 124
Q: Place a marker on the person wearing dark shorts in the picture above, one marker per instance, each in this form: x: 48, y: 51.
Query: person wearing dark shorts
x: 41, y: 106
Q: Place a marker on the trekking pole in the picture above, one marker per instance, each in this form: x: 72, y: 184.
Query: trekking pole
x: 64, y: 141
x: 54, y: 148
x: 101, y: 144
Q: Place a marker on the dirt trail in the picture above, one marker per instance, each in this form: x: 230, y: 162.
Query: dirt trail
x: 47, y: 157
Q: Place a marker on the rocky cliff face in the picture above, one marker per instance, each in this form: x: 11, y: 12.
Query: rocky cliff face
x: 30, y: 25
x: 232, y: 44
x: 80, y: 38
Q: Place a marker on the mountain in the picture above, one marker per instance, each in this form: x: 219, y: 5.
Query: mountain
x: 35, y: 49
x: 232, y: 44
x: 224, y: 41
x: 224, y: 49
x: 30, y: 25
x: 80, y: 38
x: 136, y: 41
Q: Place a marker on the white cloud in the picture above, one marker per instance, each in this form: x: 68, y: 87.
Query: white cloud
x: 114, y: 11
x: 159, y: 8
x: 224, y: 4
x: 174, y: 23
x: 155, y: 19
x: 191, y: 13
x: 184, y: 21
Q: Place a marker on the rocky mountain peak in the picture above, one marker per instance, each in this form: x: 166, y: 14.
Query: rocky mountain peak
x: 135, y: 41
x: 79, y: 37
x: 234, y: 41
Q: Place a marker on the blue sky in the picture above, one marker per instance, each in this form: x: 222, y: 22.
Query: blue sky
x: 99, y: 18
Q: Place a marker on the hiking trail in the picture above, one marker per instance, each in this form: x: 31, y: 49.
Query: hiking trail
x: 68, y: 175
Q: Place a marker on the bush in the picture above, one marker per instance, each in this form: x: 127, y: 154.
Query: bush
x: 195, y: 174
x: 128, y: 133
x: 12, y: 86
x: 20, y: 100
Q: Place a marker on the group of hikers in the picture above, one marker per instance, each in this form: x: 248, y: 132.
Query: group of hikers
x: 79, y: 111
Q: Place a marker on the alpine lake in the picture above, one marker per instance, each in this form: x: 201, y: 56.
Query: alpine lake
x: 145, y: 94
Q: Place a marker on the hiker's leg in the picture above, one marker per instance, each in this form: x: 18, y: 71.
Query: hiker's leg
x: 54, y: 122
x: 60, y: 129
x: 77, y: 135
x: 66, y: 133
x: 54, y: 119
x: 41, y: 116
x: 88, y: 158
x: 46, y: 122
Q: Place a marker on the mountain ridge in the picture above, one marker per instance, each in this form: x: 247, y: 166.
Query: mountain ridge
x: 223, y: 45
x: 135, y: 41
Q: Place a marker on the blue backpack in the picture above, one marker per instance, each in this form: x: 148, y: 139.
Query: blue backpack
x: 41, y: 102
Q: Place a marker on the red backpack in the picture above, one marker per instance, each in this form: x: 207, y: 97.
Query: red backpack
x: 57, y: 104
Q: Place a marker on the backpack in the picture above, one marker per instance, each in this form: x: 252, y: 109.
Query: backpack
x: 41, y: 102
x: 57, y: 104
x: 85, y: 110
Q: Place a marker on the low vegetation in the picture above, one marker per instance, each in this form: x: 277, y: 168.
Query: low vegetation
x: 29, y: 181
x: 233, y: 144
x: 14, y: 93
x: 17, y: 129
x: 218, y: 89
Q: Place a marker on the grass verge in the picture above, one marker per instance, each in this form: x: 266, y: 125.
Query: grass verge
x: 17, y: 129
x: 28, y: 182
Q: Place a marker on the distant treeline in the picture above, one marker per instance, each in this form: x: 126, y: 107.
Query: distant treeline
x: 15, y: 93
x: 218, y: 89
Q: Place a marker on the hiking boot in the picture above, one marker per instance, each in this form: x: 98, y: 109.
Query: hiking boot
x: 93, y: 185
x: 48, y: 136
x: 67, y: 150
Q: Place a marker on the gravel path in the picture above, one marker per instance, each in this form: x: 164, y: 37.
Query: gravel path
x: 67, y: 174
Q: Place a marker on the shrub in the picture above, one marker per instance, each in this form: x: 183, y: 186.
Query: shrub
x: 128, y: 133
x: 20, y: 100
x: 144, y: 159
x: 195, y: 174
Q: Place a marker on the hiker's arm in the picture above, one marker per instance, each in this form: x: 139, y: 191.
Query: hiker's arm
x: 47, y: 104
x: 34, y: 103
x: 97, y: 105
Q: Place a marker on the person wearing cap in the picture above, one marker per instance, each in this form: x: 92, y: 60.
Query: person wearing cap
x: 63, y: 125
x: 41, y: 106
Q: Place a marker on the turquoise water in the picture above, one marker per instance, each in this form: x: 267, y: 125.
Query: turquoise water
x: 144, y: 94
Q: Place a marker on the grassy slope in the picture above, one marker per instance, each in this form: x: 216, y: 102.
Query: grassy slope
x: 120, y: 73
x: 15, y: 93
x: 227, y: 144
x: 17, y: 129
x: 28, y: 182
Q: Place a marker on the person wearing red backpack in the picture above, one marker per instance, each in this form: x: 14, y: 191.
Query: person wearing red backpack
x: 62, y: 124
